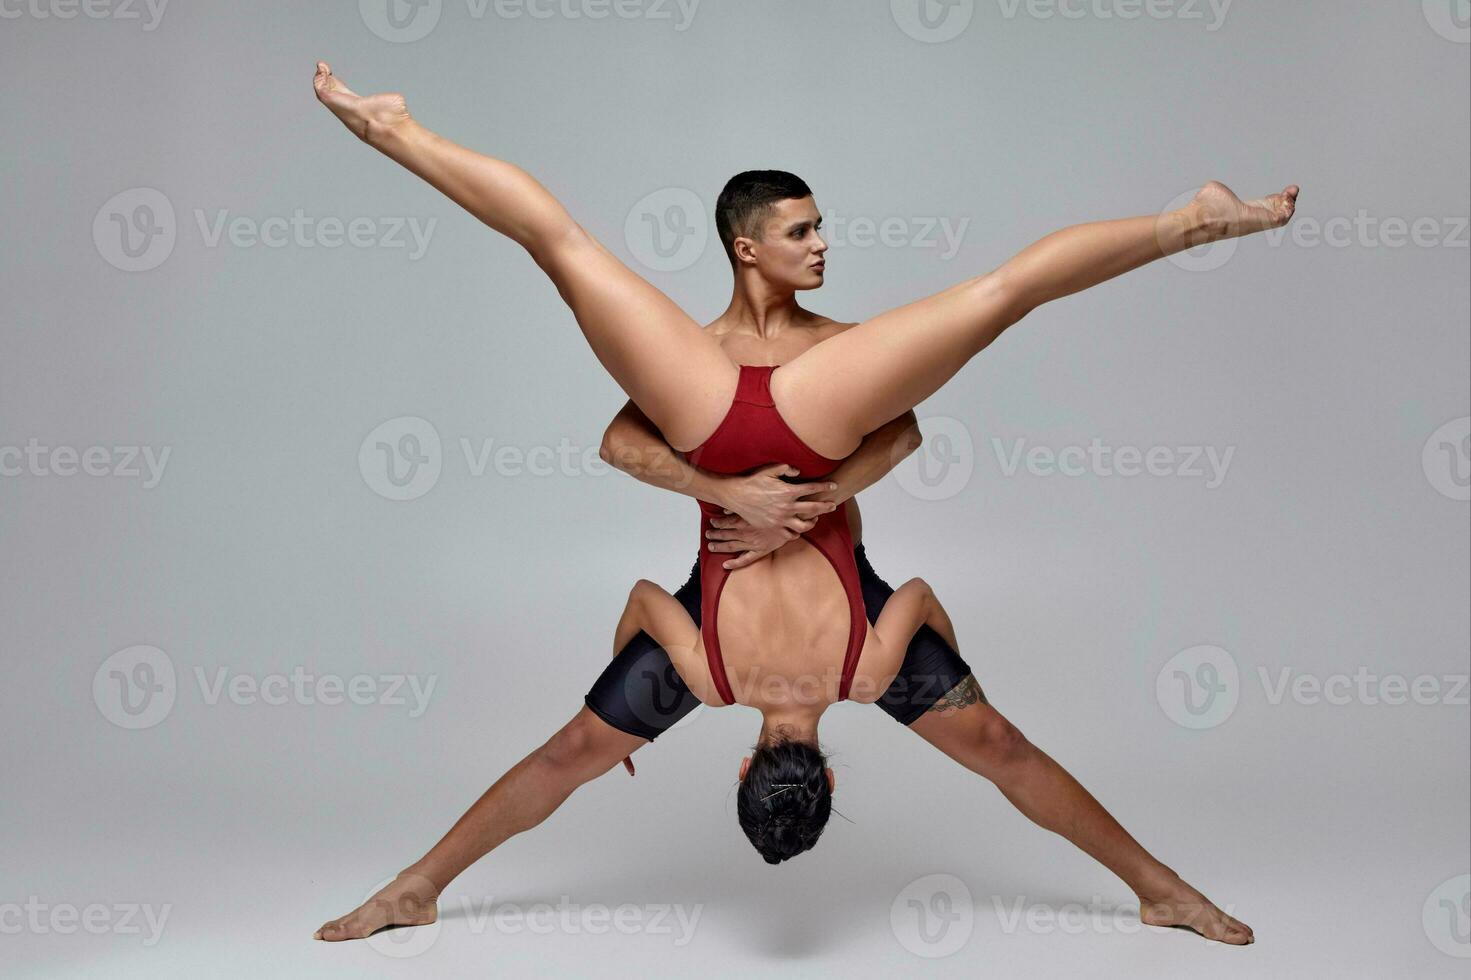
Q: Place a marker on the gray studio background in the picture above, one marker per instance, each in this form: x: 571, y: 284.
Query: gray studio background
x: 1331, y: 365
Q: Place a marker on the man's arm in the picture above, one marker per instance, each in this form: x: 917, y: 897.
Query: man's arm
x: 766, y: 511
x: 881, y: 451
x: 635, y: 446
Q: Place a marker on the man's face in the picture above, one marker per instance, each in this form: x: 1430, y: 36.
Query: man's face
x: 791, y: 251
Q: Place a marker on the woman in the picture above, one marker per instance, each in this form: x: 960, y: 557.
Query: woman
x: 785, y: 634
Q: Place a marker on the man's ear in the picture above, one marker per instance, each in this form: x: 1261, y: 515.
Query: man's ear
x: 832, y: 780
x: 745, y: 764
x: 744, y: 249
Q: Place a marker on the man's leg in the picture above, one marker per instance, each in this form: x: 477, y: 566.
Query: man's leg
x: 584, y: 748
x: 976, y: 735
x: 676, y: 373
x: 937, y: 697
x: 636, y: 698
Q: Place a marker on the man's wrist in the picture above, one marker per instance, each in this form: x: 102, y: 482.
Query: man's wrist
x: 713, y: 488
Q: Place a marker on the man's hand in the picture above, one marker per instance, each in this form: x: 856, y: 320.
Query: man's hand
x: 734, y: 533
x: 769, y: 503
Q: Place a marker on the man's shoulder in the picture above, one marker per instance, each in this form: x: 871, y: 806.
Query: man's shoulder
x: 831, y: 328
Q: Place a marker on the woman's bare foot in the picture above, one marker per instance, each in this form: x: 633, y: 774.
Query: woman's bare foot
x: 1174, y: 903
x: 1221, y: 214
x: 369, y: 117
x: 408, y: 900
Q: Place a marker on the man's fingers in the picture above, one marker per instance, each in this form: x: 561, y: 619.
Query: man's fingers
x: 742, y: 561
x: 809, y: 509
x: 801, y: 526
x: 811, y: 488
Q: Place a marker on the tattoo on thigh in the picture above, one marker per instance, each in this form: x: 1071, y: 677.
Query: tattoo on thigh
x: 962, y: 694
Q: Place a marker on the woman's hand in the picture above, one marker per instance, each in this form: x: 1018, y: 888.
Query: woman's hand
x: 767, y: 503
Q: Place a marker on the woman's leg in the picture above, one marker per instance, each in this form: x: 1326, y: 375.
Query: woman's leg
x: 676, y: 374
x: 835, y: 393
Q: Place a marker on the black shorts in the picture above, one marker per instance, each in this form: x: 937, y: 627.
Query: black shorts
x: 642, y: 694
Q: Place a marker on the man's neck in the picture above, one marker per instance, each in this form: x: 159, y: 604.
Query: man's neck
x: 757, y: 309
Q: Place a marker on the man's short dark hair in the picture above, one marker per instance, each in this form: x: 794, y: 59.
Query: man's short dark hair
x: 746, y: 203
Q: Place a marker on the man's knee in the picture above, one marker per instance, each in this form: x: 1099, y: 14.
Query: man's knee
x: 586, y: 745
x: 999, y: 743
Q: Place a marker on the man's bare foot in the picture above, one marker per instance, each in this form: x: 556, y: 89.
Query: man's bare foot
x: 408, y: 900
x: 1174, y: 903
x: 1221, y: 214
x: 369, y: 117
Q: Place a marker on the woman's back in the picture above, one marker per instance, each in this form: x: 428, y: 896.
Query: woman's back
x: 787, y: 597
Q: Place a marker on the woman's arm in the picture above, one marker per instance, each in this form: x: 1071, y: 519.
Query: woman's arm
x: 913, y: 604
x: 666, y: 622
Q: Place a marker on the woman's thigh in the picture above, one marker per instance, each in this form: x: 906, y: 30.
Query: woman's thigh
x: 835, y: 393
x: 676, y: 373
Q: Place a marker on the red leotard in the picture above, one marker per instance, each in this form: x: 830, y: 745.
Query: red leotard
x: 754, y: 434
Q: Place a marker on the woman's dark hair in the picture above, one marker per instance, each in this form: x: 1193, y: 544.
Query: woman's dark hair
x: 746, y: 203
x: 784, y: 801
